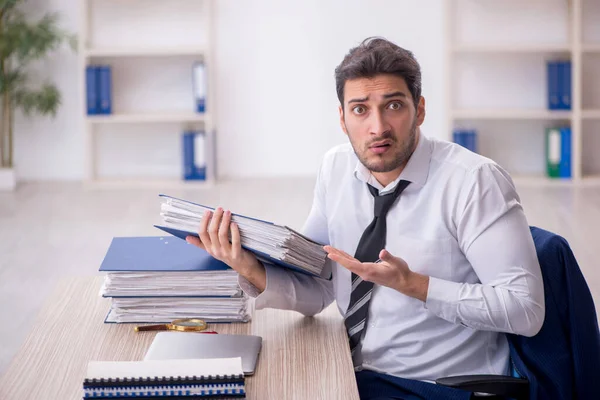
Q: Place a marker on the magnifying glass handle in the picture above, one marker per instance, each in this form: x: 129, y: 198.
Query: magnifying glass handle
x: 146, y: 328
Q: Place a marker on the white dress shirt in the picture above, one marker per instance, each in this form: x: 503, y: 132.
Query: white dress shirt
x: 460, y: 222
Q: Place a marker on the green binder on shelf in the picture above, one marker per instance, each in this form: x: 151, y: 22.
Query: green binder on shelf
x: 553, y: 152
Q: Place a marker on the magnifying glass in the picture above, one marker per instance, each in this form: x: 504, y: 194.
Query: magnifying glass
x: 181, y: 325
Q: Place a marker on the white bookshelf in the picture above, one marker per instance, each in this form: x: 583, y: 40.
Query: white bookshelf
x: 151, y: 46
x: 500, y: 114
x: 496, y: 81
x: 148, y: 117
x: 514, y: 48
x: 142, y: 51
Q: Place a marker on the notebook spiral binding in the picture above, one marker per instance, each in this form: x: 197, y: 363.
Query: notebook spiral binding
x: 209, y: 391
x: 161, y: 381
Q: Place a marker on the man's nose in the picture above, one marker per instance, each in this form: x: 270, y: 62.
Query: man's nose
x: 378, y: 124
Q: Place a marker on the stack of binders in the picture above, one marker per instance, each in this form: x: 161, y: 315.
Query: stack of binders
x: 161, y: 279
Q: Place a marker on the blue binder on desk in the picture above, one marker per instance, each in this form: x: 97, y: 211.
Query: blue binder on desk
x: 157, y: 254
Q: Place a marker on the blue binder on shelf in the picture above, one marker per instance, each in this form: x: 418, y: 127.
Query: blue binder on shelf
x: 91, y: 89
x: 552, y: 75
x: 182, y: 234
x: 104, y: 89
x: 564, y: 85
x: 157, y: 254
x: 466, y: 138
x: 199, y: 82
x: 194, y: 155
x: 564, y: 166
x: 559, y: 81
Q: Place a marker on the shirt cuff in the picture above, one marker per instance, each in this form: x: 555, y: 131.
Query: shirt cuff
x: 276, y: 278
x: 442, y: 298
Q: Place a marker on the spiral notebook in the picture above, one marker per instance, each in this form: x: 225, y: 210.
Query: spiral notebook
x: 220, y: 378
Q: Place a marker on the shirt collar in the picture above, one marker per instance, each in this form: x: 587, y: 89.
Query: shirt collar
x: 415, y: 171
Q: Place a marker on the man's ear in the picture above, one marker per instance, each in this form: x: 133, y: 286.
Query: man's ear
x: 342, y: 122
x: 421, y: 111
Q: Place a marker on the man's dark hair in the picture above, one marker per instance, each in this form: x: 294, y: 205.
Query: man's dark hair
x: 376, y: 56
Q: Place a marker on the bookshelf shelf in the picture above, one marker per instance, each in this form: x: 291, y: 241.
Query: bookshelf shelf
x: 539, y: 180
x: 146, y: 183
x: 508, y: 114
x: 590, y: 48
x: 590, y: 114
x: 516, y: 48
x: 497, y: 83
x: 143, y: 52
x: 148, y: 117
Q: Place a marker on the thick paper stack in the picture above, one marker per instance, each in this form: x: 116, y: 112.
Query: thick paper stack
x: 272, y: 243
x: 160, y: 279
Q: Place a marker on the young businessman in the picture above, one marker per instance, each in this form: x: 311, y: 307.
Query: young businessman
x: 433, y: 258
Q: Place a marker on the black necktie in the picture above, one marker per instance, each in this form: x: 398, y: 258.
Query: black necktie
x: 371, y: 243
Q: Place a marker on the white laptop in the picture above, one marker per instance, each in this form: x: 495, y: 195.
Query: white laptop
x: 185, y: 345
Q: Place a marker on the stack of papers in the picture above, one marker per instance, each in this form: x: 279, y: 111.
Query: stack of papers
x: 270, y: 242
x: 208, y: 283
x: 167, y: 309
x: 160, y: 279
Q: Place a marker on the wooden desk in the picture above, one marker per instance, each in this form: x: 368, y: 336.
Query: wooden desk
x: 301, y: 358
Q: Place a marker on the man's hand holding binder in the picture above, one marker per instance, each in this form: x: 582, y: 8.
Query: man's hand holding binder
x: 214, y: 233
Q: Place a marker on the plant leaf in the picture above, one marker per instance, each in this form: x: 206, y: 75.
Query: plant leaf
x: 6, y: 5
x: 28, y: 41
x: 44, y: 101
x: 11, y: 80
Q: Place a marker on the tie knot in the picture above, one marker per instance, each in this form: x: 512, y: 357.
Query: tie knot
x: 385, y: 202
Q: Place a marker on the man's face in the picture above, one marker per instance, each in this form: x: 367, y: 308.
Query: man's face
x: 381, y: 122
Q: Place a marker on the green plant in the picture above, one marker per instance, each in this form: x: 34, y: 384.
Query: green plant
x: 21, y: 42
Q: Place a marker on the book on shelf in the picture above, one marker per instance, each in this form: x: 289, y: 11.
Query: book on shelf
x: 270, y: 242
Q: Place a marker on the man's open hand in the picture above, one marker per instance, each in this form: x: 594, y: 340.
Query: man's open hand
x: 392, y: 272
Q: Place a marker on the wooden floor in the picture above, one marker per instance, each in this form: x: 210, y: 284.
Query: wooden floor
x: 52, y: 230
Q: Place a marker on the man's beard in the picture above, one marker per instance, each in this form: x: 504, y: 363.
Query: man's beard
x: 398, y: 159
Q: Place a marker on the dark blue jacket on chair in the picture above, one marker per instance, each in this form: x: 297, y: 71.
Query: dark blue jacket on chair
x: 563, y: 360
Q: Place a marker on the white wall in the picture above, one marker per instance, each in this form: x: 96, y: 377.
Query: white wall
x: 47, y: 148
x: 276, y: 102
x: 278, y: 107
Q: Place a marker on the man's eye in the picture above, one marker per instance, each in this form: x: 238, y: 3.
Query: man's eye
x: 358, y: 110
x: 395, y: 105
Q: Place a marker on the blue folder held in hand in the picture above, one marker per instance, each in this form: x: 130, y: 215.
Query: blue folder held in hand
x: 271, y: 243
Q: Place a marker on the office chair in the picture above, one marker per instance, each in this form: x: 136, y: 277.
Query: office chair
x: 563, y: 360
